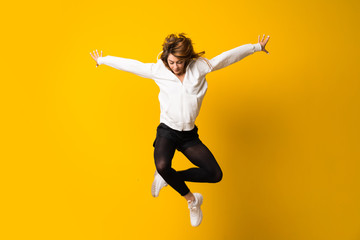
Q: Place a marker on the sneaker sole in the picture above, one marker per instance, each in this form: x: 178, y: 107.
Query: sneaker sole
x: 201, y: 215
x: 153, y: 188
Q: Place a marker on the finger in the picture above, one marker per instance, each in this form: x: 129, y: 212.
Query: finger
x: 101, y: 53
x: 92, y: 56
x: 267, y: 39
x: 259, y: 38
x: 263, y: 38
x: 97, y: 53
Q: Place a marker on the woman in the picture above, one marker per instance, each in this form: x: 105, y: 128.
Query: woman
x: 180, y: 74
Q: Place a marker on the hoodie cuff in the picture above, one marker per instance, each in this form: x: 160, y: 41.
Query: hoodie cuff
x: 100, y: 60
x: 257, y: 47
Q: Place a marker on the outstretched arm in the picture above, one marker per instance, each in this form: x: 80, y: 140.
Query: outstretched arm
x: 234, y: 55
x: 145, y: 70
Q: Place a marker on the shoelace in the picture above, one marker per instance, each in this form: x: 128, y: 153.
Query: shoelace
x: 193, y: 213
x: 192, y: 207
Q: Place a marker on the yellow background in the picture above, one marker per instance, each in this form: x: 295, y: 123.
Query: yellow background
x: 76, y: 150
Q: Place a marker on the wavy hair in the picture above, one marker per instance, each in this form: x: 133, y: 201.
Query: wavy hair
x: 181, y: 47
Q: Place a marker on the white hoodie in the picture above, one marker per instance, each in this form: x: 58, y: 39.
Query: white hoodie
x: 180, y: 102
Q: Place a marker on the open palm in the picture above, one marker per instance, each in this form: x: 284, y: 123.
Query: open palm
x: 263, y: 42
x: 96, y: 55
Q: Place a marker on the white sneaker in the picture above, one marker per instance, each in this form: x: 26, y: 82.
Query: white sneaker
x: 195, y: 211
x: 157, y: 184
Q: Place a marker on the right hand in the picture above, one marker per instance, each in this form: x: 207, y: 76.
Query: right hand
x: 263, y: 42
x: 96, y: 56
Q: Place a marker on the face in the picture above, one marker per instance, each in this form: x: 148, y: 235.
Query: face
x: 177, y: 65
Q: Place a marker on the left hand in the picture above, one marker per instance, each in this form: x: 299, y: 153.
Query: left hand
x: 96, y: 56
x: 263, y: 43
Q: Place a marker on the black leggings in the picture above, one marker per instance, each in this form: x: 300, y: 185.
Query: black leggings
x: 208, y: 169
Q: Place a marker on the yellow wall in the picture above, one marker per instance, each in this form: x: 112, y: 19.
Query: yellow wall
x: 76, y: 151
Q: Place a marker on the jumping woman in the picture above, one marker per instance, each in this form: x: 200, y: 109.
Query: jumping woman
x: 180, y: 74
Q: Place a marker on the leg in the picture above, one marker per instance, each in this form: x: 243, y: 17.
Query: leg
x: 208, y: 169
x: 163, y: 154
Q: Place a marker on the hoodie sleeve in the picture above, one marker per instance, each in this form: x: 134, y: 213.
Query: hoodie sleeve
x: 231, y: 56
x: 145, y: 70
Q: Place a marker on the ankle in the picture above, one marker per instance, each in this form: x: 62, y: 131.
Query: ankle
x: 189, y: 197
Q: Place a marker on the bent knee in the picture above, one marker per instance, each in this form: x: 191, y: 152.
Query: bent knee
x: 217, y: 176
x: 162, y: 167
